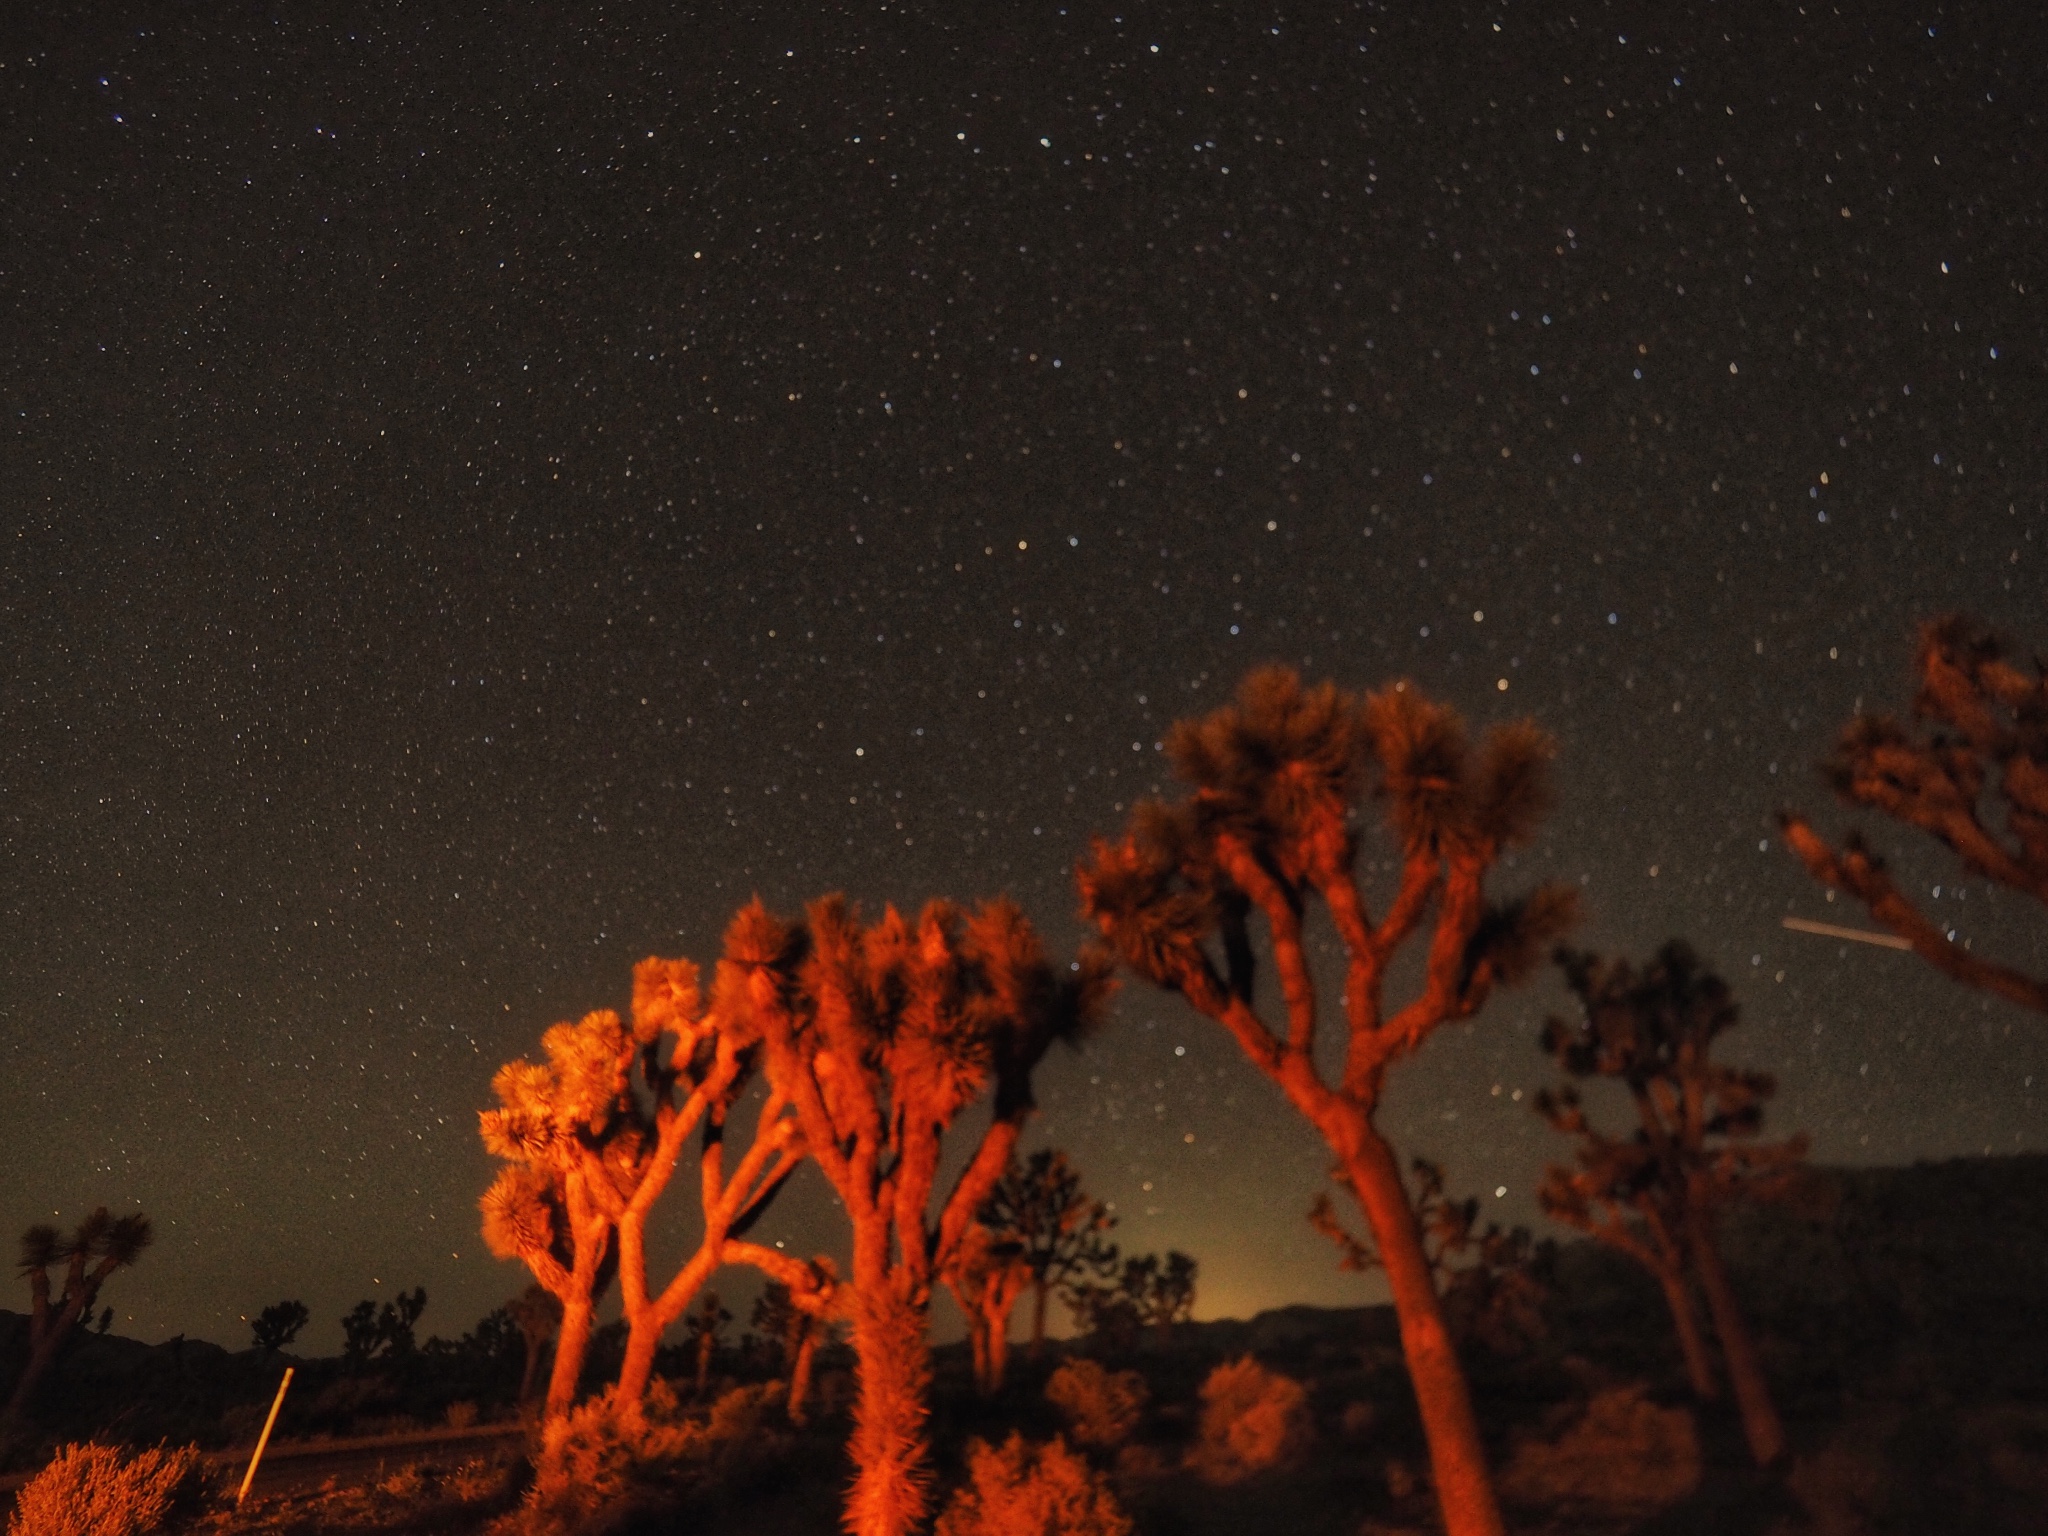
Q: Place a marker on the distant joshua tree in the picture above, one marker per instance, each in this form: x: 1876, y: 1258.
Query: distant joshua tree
x: 1989, y: 720
x: 537, y: 1313
x: 1061, y: 1235
x: 796, y: 1324
x: 1486, y: 1278
x: 1146, y: 1293
x: 1279, y: 780
x: 707, y: 1331
x: 370, y: 1333
x: 100, y: 1244
x: 276, y: 1326
x: 987, y: 1275
x: 1655, y: 1194
x: 881, y: 1036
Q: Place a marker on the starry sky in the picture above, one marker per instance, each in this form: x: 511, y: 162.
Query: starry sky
x: 486, y: 493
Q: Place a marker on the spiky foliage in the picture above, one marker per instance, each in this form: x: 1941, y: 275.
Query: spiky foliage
x: 1973, y: 775
x: 1655, y: 1193
x: 570, y: 1133
x: 99, y: 1245
x: 1103, y: 1408
x: 1253, y: 1420
x: 1061, y: 1236
x: 880, y: 1036
x: 1280, y: 780
x: 1026, y: 1490
x: 104, y: 1490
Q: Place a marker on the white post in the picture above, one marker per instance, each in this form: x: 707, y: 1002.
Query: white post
x: 264, y: 1439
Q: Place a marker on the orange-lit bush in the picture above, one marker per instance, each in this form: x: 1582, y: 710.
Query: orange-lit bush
x: 1623, y: 1451
x: 105, y: 1491
x: 602, y: 1455
x: 1026, y: 1490
x: 1102, y: 1407
x: 1253, y: 1420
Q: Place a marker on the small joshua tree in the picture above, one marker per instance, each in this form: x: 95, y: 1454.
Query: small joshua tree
x: 101, y: 1244
x: 1146, y: 1293
x: 1061, y: 1235
x: 560, y: 1129
x: 1988, y: 721
x: 1279, y: 780
x: 537, y: 1313
x: 987, y: 1275
x: 707, y: 1331
x: 1487, y: 1279
x: 880, y: 1037
x: 276, y: 1326
x: 1656, y: 1193
x: 796, y: 1321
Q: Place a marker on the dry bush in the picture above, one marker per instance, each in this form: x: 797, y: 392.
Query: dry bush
x: 404, y: 1485
x: 105, y: 1491
x: 1026, y: 1490
x: 1253, y: 1420
x: 1102, y: 1407
x: 1623, y: 1452
x: 599, y: 1455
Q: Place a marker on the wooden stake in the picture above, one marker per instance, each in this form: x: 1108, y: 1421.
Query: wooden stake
x: 264, y: 1439
x: 1834, y: 931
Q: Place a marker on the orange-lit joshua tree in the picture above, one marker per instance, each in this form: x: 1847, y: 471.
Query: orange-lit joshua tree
x: 1061, y: 1235
x: 593, y: 1148
x: 880, y: 1037
x: 1989, y: 719
x: 987, y: 1275
x: 1278, y: 777
x: 101, y: 1244
x: 567, y: 1145
x: 1656, y: 1194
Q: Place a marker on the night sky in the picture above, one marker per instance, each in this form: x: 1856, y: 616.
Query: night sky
x: 485, y: 494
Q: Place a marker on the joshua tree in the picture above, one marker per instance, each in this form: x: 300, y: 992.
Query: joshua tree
x: 1146, y: 1293
x: 695, y: 1067
x: 1494, y: 1298
x: 1061, y: 1235
x: 276, y: 1326
x: 796, y: 1321
x: 1988, y: 719
x: 987, y: 1275
x: 564, y: 1139
x: 101, y: 1244
x: 537, y: 1313
x: 880, y: 1036
x: 369, y: 1333
x: 1278, y: 780
x: 1656, y: 1194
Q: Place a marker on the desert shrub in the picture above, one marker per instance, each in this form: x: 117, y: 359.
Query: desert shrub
x: 1623, y: 1452
x: 1026, y: 1490
x: 597, y: 1456
x: 460, y: 1415
x: 1102, y: 1407
x: 1253, y: 1420
x: 106, y: 1491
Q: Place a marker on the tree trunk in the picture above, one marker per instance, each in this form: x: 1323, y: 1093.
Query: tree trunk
x: 1040, y: 1290
x: 1685, y: 1317
x: 998, y: 1348
x: 533, y: 1349
x: 570, y: 1344
x: 1457, y: 1458
x: 43, y: 1352
x: 891, y: 1455
x: 800, y: 1375
x: 1760, y: 1423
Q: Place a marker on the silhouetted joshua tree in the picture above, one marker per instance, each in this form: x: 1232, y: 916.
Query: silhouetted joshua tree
x: 101, y: 1244
x: 1146, y: 1293
x: 1061, y: 1235
x: 797, y: 1323
x: 1655, y: 1194
x: 369, y: 1333
x: 562, y: 1131
x: 1278, y: 777
x: 276, y: 1326
x: 1989, y: 720
x: 881, y: 1036
x: 537, y: 1313
x: 1487, y: 1280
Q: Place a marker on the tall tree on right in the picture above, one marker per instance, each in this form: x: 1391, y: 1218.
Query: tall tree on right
x: 1280, y: 780
x: 1986, y: 722
x: 1656, y: 1194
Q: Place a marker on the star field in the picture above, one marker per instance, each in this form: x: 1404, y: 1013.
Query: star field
x: 484, y: 496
